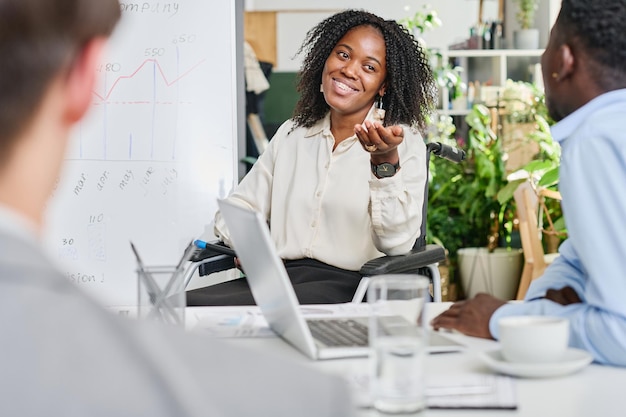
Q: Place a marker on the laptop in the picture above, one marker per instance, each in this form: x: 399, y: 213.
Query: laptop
x: 276, y: 298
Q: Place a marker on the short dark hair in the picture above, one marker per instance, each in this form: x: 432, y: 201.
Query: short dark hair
x: 598, y: 27
x: 410, y: 89
x: 38, y: 38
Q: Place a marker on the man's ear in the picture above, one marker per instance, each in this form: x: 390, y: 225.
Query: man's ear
x: 566, y: 61
x: 81, y: 79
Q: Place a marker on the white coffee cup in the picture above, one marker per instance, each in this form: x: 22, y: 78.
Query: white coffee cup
x: 533, y: 339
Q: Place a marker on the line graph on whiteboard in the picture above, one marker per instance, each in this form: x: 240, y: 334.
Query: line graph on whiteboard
x: 116, y: 67
x: 152, y: 93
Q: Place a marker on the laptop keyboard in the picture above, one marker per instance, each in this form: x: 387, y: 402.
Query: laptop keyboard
x: 339, y: 332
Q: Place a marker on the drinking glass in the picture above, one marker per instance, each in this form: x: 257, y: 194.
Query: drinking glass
x: 398, y: 335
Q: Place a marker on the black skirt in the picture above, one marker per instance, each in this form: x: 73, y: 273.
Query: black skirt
x: 313, y: 281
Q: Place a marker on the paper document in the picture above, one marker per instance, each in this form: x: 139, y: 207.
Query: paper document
x: 231, y: 322
x: 459, y: 391
x: 472, y: 390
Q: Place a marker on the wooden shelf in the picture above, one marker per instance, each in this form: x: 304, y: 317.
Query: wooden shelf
x: 453, y: 112
x: 490, y: 67
x: 479, y: 53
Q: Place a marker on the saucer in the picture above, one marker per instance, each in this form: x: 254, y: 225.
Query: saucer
x: 572, y: 361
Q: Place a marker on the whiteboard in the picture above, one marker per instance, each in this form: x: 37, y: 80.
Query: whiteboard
x: 157, y: 147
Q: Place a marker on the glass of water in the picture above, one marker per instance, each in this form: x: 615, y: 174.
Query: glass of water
x: 398, y: 340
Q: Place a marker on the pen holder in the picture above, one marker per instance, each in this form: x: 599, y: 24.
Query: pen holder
x: 161, y: 294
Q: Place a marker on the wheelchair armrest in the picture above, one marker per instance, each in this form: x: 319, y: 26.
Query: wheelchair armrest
x: 403, y: 264
x: 212, y: 249
x: 215, y: 258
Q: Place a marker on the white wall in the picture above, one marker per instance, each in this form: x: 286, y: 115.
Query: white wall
x: 291, y: 29
x: 296, y: 17
x: 544, y: 19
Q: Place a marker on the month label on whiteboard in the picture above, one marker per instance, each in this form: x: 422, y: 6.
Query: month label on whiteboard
x: 104, y: 178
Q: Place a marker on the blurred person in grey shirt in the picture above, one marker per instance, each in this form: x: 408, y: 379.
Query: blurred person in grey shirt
x: 62, y: 353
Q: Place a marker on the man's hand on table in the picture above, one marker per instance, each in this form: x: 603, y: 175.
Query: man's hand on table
x: 470, y: 317
x: 564, y: 296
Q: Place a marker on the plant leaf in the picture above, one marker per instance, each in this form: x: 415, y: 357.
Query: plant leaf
x: 506, y: 193
x: 550, y: 177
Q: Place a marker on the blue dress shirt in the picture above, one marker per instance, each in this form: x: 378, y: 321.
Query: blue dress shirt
x: 593, y: 259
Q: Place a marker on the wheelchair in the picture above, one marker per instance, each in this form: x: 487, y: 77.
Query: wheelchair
x: 423, y: 259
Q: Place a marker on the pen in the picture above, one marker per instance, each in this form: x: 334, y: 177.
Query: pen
x: 187, y: 254
x: 139, y: 261
x: 225, y: 250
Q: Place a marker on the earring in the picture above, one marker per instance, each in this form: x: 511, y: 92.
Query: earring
x: 379, y: 112
x: 555, y: 75
x: 321, y: 88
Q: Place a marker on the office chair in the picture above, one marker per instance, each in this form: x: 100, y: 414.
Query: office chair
x: 423, y: 258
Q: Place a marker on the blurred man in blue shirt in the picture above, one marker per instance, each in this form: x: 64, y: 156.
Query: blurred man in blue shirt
x: 584, y: 71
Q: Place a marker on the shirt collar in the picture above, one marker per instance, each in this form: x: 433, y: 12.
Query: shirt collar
x: 566, y: 127
x: 16, y: 224
x: 323, y: 125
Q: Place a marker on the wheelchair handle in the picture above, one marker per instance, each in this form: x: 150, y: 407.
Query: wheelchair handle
x: 447, y: 152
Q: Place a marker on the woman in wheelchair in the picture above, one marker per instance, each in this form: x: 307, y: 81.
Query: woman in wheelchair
x: 342, y: 181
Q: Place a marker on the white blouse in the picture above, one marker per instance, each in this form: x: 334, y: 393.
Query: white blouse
x: 328, y: 205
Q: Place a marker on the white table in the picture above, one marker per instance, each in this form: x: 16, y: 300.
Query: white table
x: 594, y: 391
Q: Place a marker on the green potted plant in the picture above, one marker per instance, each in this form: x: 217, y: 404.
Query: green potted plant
x: 464, y: 214
x: 526, y: 37
x: 444, y: 224
x: 488, y: 189
x: 524, y: 105
x: 490, y: 264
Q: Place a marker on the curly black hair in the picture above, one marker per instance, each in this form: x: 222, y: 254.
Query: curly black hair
x: 411, y: 92
x: 598, y: 26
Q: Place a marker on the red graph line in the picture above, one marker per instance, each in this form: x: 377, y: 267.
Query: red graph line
x: 168, y: 83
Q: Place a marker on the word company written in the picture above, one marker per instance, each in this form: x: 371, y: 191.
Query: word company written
x: 171, y: 8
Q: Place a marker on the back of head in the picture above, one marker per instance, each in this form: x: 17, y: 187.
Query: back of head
x: 38, y: 39
x: 597, y: 27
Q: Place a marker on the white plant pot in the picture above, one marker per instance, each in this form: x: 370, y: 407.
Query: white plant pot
x: 497, y: 273
x: 459, y: 104
x: 526, y: 39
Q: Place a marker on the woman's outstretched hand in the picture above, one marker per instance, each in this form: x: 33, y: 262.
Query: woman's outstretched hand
x: 378, y: 139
